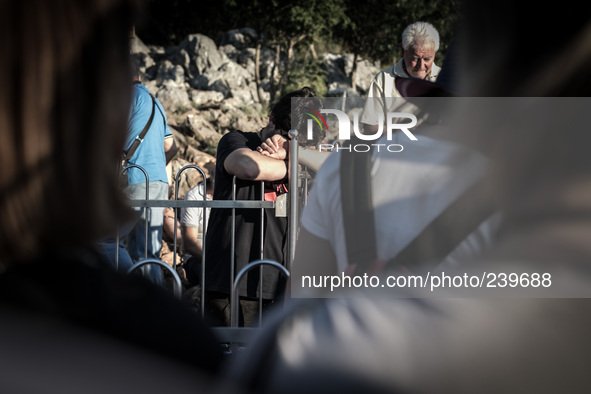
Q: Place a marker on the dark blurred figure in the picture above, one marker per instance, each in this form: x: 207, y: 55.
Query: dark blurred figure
x: 70, y: 323
x: 535, y: 340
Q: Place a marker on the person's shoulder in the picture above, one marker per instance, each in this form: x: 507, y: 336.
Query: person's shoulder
x: 140, y: 90
x: 398, y: 70
x: 141, y: 95
x: 195, y: 193
x: 239, y: 137
x: 386, y: 71
x: 435, y: 69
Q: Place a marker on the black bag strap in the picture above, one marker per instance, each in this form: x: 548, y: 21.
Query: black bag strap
x: 431, y: 246
x: 444, y: 233
x: 140, y: 137
x: 356, y: 198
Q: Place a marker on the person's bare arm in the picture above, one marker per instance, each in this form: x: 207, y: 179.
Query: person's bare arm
x: 276, y: 147
x: 170, y: 148
x: 313, y: 256
x: 252, y: 166
x: 190, y: 243
x: 168, y: 225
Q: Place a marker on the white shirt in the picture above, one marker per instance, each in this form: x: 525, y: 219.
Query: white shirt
x: 193, y: 217
x: 409, y: 190
x: 383, y: 86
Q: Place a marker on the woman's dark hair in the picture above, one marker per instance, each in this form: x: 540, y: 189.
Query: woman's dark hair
x: 64, y: 104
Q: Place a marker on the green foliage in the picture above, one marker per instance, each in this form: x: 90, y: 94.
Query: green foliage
x: 370, y: 28
x: 306, y: 73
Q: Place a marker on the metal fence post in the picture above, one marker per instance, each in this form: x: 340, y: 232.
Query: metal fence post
x: 177, y: 280
x: 145, y: 215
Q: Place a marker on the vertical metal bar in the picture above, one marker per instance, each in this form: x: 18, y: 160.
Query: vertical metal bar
x: 235, y: 299
x: 145, y: 215
x: 204, y: 224
x: 305, y: 193
x: 233, y: 291
x: 177, y: 281
x: 262, y: 255
x: 293, y: 197
x: 146, y: 212
x: 176, y: 197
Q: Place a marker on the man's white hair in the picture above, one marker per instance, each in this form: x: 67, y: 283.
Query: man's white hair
x: 418, y: 34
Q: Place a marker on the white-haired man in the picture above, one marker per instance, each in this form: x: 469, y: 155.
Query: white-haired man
x: 420, y: 43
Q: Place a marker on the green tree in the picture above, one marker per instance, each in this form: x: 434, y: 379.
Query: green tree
x: 293, y: 23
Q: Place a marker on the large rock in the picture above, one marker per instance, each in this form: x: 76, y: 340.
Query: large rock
x: 247, y: 96
x: 228, y: 78
x: 246, y: 58
x: 168, y: 72
x: 240, y: 38
x: 182, y: 58
x: 338, y: 70
x: 364, y: 74
x: 173, y: 96
x: 200, y: 97
x: 137, y: 46
x: 201, y: 129
x: 248, y: 123
x: 233, y: 74
x: 204, y: 54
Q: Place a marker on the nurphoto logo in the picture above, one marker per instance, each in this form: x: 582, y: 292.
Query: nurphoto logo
x: 344, y: 125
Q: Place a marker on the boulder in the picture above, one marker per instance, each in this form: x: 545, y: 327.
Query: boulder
x: 173, y: 96
x: 137, y: 46
x: 145, y: 62
x: 204, y: 54
x: 240, y: 38
x: 366, y: 71
x: 182, y: 58
x: 248, y: 123
x: 334, y: 65
x: 200, y: 97
x: 168, y: 72
x: 338, y: 69
x: 247, y: 96
x: 229, y: 77
x: 201, y: 129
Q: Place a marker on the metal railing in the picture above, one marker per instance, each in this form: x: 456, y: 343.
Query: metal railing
x: 177, y: 287
x: 233, y: 333
x: 146, y: 216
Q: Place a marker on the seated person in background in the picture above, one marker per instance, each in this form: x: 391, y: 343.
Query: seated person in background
x: 192, y: 231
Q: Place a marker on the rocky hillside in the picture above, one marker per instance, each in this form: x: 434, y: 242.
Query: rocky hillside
x: 208, y: 90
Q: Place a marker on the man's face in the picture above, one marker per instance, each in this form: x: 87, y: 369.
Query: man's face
x: 419, y: 60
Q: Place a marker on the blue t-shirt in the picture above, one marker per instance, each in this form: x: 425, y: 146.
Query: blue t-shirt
x: 150, y: 153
